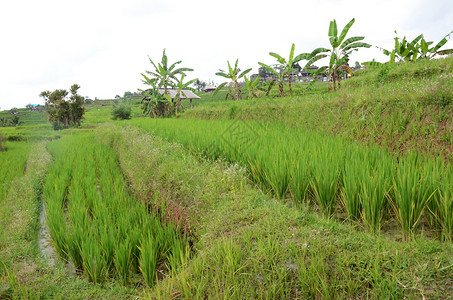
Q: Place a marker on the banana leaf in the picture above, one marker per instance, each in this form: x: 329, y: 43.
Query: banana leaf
x: 269, y: 69
x: 245, y: 72
x: 278, y: 57
x: 333, y: 32
x: 351, y: 40
x: 302, y: 56
x: 356, y: 45
x: 345, y: 30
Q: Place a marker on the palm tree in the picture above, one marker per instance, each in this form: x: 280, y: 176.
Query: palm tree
x: 234, y: 76
x: 339, y: 54
x: 286, y: 67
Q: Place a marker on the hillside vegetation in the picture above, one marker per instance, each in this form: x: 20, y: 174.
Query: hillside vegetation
x: 400, y: 106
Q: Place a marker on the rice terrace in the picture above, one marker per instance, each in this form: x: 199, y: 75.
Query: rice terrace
x: 315, y: 178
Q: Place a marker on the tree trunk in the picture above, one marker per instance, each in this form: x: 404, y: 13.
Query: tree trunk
x: 334, y: 81
x: 289, y: 83
x: 280, y: 89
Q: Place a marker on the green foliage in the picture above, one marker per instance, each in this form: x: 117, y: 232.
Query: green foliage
x: 199, y: 85
x: 251, y: 86
x: 285, y: 67
x: 339, y: 53
x: 156, y: 103
x: 415, y: 50
x: 233, y: 75
x: 121, y: 112
x: 14, y: 121
x: 64, y: 111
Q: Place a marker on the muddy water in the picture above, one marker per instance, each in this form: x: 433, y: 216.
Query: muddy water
x: 45, y: 240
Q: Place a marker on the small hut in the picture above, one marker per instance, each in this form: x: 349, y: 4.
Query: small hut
x: 209, y: 89
x: 185, y: 94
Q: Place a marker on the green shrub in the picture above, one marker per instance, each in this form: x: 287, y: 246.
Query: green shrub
x: 121, y: 112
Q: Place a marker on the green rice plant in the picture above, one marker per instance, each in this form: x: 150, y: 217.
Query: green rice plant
x: 74, y: 240
x: 445, y: 208
x: 333, y: 170
x: 351, y: 189
x: 179, y: 254
x: 148, y: 259
x: 277, y: 176
x: 94, y: 262
x: 375, y: 186
x: 300, y: 174
x: 123, y: 260
x: 90, y: 212
x: 437, y: 173
x: 135, y: 239
x: 412, y: 194
x: 325, y: 182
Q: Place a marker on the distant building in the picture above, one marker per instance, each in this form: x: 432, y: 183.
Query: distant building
x: 307, y: 74
x: 33, y: 107
x: 185, y: 94
x: 209, y: 89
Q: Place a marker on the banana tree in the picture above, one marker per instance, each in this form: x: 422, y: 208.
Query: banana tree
x: 251, y: 85
x: 155, y: 104
x: 286, y: 66
x: 163, y: 76
x: 417, y: 49
x: 403, y: 49
x: 278, y: 74
x: 180, y: 86
x: 339, y: 53
x: 233, y: 75
x: 426, y: 52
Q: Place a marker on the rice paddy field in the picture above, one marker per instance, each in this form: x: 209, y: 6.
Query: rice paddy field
x: 96, y: 223
x: 365, y: 184
x: 256, y: 199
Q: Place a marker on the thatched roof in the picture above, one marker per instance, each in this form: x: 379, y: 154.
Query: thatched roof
x: 209, y: 88
x: 185, y: 94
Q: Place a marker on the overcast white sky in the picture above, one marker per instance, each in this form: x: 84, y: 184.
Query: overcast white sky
x: 103, y: 45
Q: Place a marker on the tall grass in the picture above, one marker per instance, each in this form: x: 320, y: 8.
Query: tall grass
x: 95, y: 222
x: 368, y: 184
